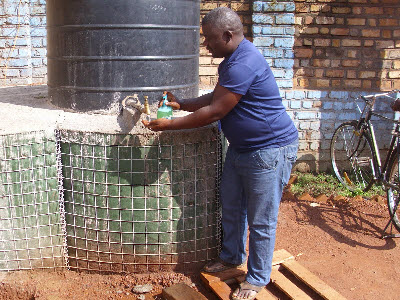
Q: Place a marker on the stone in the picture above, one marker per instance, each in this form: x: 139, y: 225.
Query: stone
x: 141, y: 289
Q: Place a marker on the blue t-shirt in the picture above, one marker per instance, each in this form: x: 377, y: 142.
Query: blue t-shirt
x: 259, y: 120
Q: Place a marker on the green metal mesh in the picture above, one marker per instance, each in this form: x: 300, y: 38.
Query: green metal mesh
x: 135, y: 203
x: 31, y: 234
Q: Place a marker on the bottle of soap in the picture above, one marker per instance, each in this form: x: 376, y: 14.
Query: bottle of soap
x: 164, y: 111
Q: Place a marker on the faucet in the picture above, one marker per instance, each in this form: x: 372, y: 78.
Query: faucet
x: 133, y: 102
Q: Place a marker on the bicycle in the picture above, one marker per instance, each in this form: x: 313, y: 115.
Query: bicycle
x: 356, y: 159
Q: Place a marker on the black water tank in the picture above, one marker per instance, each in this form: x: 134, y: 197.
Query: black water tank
x: 98, y: 52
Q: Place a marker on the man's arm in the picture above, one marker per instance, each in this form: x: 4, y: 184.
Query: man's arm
x: 194, y: 104
x: 222, y: 102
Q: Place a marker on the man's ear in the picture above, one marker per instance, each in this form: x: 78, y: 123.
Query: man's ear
x: 227, y: 36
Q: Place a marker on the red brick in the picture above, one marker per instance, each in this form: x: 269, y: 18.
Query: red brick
x: 367, y: 74
x: 341, y: 10
x: 300, y: 53
x: 350, y: 63
x: 351, y: 43
x: 340, y: 31
x: 325, y: 20
x: 322, y: 42
x: 352, y: 83
x: 355, y: 21
x: 366, y: 84
x: 321, y: 63
x: 373, y: 10
x: 387, y: 33
x: 334, y: 73
x: 388, y: 22
x: 323, y: 83
x: 394, y: 74
x: 371, y: 32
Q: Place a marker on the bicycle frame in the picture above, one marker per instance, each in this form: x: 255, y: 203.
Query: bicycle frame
x: 365, y: 124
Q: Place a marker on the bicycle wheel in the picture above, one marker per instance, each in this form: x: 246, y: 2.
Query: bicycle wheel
x: 392, y: 176
x: 351, y: 157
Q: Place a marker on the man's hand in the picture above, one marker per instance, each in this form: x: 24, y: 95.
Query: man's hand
x: 158, y: 124
x: 172, y: 101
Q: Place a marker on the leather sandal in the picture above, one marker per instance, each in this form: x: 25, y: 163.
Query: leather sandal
x: 246, y: 291
x: 218, y: 265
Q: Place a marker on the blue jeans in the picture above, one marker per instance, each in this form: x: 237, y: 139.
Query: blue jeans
x: 251, y: 191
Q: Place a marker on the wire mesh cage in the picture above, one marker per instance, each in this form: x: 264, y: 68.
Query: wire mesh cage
x: 31, y: 232
x: 141, y: 202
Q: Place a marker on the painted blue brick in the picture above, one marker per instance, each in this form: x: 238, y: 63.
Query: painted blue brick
x: 327, y: 105
x: 37, y: 42
x: 307, y: 104
x: 270, y: 7
x: 285, y: 83
x: 299, y: 94
x: 288, y: 74
x: 289, y: 53
x: 329, y: 116
x: 295, y: 104
x: 24, y: 52
x: 285, y: 103
x: 338, y: 95
x: 307, y: 115
x: 22, y: 42
x: 314, y: 94
x: 290, y: 7
x: 21, y: 62
x: 39, y: 52
x: 346, y: 116
x: 38, y: 31
x: 285, y: 19
x: 262, y: 19
x: 273, y: 30
x: 37, y: 21
x: 257, y: 29
x: 257, y: 6
x: 263, y: 41
x: 290, y: 30
x: 273, y: 53
x: 8, y: 31
x: 270, y: 62
x: 284, y: 42
x: 278, y: 73
x: 284, y: 63
x: 36, y: 62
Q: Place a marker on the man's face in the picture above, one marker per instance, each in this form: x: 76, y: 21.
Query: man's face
x: 215, y: 41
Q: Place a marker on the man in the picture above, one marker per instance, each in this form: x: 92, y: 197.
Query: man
x: 263, y: 144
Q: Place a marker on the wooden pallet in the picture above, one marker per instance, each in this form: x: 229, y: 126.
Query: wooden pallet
x: 289, y: 280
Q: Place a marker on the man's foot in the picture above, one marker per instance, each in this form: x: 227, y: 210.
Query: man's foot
x: 246, y: 291
x: 218, y: 265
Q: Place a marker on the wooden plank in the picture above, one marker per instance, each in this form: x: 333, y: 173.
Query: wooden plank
x: 288, y: 287
x: 280, y: 256
x: 314, y: 282
x: 222, y: 290
x: 224, y: 275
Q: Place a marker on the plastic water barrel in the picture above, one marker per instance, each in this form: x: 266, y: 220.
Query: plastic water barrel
x: 99, y: 52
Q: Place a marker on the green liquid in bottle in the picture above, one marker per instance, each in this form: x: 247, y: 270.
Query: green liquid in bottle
x: 164, y: 111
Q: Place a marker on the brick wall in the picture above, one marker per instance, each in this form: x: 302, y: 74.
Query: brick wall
x: 22, y: 42
x: 347, y: 45
x: 208, y: 69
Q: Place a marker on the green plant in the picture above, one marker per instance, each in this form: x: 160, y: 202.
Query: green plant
x: 325, y: 183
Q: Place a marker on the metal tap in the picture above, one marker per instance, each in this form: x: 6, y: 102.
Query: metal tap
x: 133, y: 101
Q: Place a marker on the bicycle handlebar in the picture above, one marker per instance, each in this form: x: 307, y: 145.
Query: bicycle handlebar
x: 370, y: 99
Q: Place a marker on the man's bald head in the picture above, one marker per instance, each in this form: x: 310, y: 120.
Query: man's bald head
x: 224, y: 19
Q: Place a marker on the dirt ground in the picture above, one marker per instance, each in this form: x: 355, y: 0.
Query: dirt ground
x: 340, y: 243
